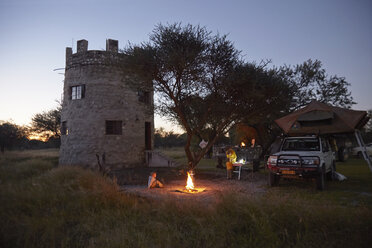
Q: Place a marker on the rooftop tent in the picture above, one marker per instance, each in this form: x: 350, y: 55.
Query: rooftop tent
x: 320, y: 118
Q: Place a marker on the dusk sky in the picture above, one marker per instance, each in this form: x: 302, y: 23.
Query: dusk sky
x: 35, y: 33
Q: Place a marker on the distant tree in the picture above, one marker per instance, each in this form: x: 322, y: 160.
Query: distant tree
x: 309, y: 81
x: 203, y: 84
x: 168, y: 138
x: 163, y: 138
x: 47, y: 123
x: 10, y: 135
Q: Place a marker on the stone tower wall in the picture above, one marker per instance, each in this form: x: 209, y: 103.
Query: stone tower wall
x: 108, y: 95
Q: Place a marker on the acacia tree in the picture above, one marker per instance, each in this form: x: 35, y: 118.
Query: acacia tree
x: 202, y: 83
x: 47, y: 123
x: 309, y: 81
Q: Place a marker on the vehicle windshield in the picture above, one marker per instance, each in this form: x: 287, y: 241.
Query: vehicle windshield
x: 311, y: 144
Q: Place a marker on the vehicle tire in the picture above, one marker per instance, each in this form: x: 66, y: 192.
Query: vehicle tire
x: 320, y: 182
x: 273, y: 179
x: 256, y: 166
x: 331, y: 174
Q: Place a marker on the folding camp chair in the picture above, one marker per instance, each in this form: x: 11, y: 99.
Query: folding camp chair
x: 238, y: 169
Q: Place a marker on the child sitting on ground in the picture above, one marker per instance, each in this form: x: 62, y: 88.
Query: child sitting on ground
x: 153, y: 182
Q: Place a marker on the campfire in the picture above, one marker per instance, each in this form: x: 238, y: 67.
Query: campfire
x: 190, y: 184
x: 190, y: 188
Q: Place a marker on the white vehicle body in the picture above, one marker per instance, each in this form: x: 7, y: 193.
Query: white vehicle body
x: 357, y: 151
x: 302, y: 157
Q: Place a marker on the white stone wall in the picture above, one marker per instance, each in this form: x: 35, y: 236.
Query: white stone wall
x: 109, y: 95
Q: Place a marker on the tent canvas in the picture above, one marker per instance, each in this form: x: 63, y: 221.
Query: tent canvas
x: 320, y: 118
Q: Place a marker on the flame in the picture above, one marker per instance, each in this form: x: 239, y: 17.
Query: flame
x: 242, y: 144
x: 189, y: 184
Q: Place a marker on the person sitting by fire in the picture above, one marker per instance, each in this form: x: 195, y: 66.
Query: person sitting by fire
x: 231, y: 159
x: 153, y: 182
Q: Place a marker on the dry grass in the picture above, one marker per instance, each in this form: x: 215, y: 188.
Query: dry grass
x: 43, y: 153
x: 44, y: 206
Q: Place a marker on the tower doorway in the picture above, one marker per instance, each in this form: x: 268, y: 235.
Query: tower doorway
x: 148, y: 135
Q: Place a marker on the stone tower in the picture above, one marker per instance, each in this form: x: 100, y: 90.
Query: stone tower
x: 104, y: 112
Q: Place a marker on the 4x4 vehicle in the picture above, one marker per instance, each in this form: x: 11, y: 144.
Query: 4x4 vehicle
x: 357, y: 151
x: 302, y: 157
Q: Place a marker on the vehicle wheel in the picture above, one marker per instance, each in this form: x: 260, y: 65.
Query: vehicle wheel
x: 331, y: 173
x: 256, y: 165
x: 320, y: 182
x: 273, y: 179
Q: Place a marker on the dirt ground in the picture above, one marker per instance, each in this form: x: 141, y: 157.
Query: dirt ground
x: 211, y: 186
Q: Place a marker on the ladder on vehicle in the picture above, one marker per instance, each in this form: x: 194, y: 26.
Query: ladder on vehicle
x: 360, y: 141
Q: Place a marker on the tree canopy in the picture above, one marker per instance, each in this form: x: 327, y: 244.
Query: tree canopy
x: 47, y: 123
x: 203, y: 83
x: 309, y: 81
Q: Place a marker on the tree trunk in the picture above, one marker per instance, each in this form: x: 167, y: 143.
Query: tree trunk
x: 190, y: 157
x: 193, y: 160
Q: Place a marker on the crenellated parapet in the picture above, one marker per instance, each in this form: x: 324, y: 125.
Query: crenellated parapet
x: 83, y: 56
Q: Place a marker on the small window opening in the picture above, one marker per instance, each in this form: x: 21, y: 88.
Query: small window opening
x: 114, y: 127
x: 77, y: 92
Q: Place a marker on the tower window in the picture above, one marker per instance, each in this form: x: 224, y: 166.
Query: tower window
x: 77, y: 92
x: 114, y: 127
x: 64, y: 130
x: 144, y: 96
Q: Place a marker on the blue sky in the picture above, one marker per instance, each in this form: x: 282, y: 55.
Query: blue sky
x: 34, y: 35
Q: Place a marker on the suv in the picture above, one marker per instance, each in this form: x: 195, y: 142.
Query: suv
x: 302, y: 157
x: 357, y: 151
